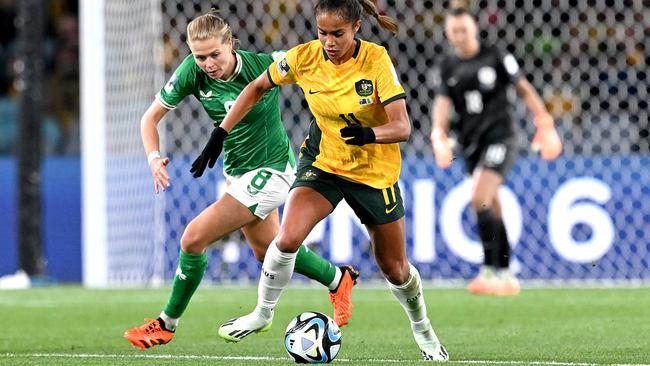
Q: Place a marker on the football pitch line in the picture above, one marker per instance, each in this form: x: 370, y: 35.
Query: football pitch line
x: 257, y: 359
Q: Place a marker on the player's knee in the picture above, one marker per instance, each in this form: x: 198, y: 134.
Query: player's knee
x: 480, y: 203
x: 396, y: 272
x: 191, y: 242
x: 259, y: 253
x: 287, y: 242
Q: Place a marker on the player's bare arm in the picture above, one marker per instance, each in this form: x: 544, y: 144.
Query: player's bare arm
x: 151, y: 142
x: 246, y: 100
x: 530, y: 97
x: 251, y: 94
x: 398, y: 128
x: 546, y: 139
x: 440, y: 122
x: 440, y: 119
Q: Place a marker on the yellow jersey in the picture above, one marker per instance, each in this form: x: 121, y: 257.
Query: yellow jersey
x: 354, y: 92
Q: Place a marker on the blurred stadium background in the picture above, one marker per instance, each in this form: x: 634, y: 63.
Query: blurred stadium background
x: 77, y: 204
x: 582, y: 218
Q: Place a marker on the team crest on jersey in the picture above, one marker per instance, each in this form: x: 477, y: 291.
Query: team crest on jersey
x: 283, y: 67
x: 487, y: 76
x: 363, y: 87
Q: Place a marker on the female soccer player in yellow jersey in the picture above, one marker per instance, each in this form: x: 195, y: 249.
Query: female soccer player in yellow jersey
x: 259, y: 173
x: 351, y: 153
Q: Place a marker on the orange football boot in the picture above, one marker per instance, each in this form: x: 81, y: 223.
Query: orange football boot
x: 341, y: 298
x: 483, y: 284
x: 150, y: 334
x: 508, y: 285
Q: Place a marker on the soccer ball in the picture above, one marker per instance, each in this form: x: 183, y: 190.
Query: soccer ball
x: 312, y: 337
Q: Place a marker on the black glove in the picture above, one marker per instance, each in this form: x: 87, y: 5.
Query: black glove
x: 360, y: 135
x: 210, y: 152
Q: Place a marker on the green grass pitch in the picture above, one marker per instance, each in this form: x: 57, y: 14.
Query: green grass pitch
x: 581, y: 327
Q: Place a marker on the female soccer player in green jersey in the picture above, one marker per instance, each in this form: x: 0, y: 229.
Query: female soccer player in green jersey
x: 258, y: 164
x: 351, y: 153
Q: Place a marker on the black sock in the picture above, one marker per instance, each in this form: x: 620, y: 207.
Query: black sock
x: 502, y: 246
x: 487, y: 229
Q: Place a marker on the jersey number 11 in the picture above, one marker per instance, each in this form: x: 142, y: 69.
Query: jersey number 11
x: 352, y: 117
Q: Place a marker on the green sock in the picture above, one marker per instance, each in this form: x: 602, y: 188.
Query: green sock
x: 189, y: 274
x: 314, y: 266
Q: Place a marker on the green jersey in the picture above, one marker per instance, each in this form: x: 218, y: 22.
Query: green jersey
x: 259, y: 140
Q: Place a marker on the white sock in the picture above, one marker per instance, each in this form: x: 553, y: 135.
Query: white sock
x: 505, y: 274
x: 170, y: 323
x: 487, y: 271
x: 410, y: 295
x: 276, y: 274
x: 337, y: 278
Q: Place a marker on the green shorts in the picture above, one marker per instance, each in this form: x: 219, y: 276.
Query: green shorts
x: 373, y: 206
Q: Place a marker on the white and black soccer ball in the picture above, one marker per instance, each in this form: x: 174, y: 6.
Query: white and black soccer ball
x: 312, y: 337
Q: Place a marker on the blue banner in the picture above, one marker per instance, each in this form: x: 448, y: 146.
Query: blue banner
x: 61, y: 217
x: 573, y: 218
x: 577, y: 218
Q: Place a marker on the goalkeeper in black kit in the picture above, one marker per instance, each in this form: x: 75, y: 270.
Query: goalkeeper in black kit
x: 474, y: 79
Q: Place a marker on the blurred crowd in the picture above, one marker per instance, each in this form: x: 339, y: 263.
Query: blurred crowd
x: 61, y: 55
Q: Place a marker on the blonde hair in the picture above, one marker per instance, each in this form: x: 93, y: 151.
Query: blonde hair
x: 210, y: 25
x: 353, y: 9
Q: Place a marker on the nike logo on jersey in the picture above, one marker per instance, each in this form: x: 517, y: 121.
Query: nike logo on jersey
x: 389, y: 210
x: 314, y: 92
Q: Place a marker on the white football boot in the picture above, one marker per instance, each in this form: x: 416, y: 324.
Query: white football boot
x: 430, y: 346
x: 234, y: 330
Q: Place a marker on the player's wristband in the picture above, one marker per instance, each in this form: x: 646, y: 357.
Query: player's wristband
x: 153, y: 155
x: 543, y: 121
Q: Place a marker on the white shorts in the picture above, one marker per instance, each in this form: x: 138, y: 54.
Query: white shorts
x: 261, y: 190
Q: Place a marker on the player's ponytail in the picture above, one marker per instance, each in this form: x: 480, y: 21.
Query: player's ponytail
x: 386, y: 22
x: 353, y: 9
x: 210, y: 25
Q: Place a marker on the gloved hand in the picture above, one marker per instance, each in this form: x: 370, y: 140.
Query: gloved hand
x: 360, y: 135
x: 210, y: 152
x: 546, y: 139
x: 441, y: 148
